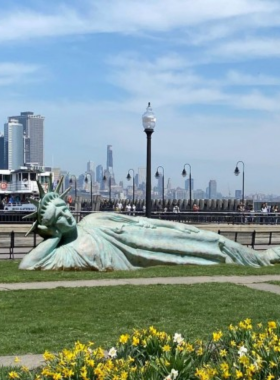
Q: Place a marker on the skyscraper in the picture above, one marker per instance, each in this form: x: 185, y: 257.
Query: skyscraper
x: 212, y: 189
x: 141, y: 175
x: 99, y: 174
x: 187, y: 184
x: 110, y: 158
x: 13, y: 145
x: 2, y: 166
x: 91, y: 169
x: 33, y: 128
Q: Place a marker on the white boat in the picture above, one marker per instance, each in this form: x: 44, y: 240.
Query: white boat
x: 18, y: 186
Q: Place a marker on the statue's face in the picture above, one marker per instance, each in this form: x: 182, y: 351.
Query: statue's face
x: 59, y: 215
x: 63, y: 217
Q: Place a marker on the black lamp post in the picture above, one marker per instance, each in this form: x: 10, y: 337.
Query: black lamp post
x: 184, y: 173
x: 86, y: 181
x: 128, y: 177
x: 237, y: 172
x: 110, y: 185
x: 157, y: 175
x: 71, y: 181
x: 149, y: 123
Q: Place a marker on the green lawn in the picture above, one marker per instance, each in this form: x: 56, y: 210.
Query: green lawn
x: 9, y: 272
x: 33, y: 321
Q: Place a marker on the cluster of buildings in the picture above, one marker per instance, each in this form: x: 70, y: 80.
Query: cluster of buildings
x: 22, y: 148
x: 22, y: 142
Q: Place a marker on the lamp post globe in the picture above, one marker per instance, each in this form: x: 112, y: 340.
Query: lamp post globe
x: 149, y: 123
x: 237, y: 172
x: 157, y: 175
x: 184, y: 174
x: 128, y: 177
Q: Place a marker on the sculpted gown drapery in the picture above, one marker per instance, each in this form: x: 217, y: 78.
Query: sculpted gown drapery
x: 110, y: 241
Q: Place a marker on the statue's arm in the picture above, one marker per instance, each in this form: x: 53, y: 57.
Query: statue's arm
x: 38, y: 253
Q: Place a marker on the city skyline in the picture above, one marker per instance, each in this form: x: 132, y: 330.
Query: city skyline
x: 209, y: 69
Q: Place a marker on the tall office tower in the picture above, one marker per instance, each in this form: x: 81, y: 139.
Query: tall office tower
x: 2, y: 151
x: 13, y: 145
x: 212, y: 189
x: 187, y: 184
x: 141, y: 176
x: 110, y: 158
x: 91, y: 169
x: 159, y: 184
x: 33, y: 128
x: 99, y: 174
x: 169, y: 186
x: 238, y: 194
x: 136, y: 181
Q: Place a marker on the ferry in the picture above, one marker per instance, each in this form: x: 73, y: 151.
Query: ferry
x: 18, y: 186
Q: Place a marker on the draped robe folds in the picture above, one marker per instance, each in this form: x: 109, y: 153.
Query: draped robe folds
x: 110, y: 241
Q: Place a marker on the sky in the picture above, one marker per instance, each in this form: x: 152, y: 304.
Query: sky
x: 210, y: 69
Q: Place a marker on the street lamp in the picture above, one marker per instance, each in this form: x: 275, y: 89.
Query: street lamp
x: 128, y: 177
x: 184, y: 173
x: 157, y: 175
x: 110, y: 185
x: 149, y: 123
x: 71, y: 181
x: 237, y: 172
x: 86, y: 181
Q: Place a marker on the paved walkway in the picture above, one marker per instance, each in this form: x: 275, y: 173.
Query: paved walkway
x: 31, y: 361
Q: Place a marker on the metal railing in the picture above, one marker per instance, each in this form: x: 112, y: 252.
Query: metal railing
x: 196, y: 217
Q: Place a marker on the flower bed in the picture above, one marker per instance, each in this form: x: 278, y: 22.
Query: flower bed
x: 241, y: 352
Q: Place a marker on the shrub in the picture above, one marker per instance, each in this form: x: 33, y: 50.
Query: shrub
x: 241, y: 352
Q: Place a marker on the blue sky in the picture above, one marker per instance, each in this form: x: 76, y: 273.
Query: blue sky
x: 210, y: 69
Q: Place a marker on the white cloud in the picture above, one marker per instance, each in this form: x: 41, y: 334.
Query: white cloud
x: 248, y: 48
x: 121, y: 16
x: 12, y: 73
x: 234, y: 77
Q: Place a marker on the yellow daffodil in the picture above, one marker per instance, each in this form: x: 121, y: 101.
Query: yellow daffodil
x: 223, y: 353
x: 48, y: 356
x: 135, y: 341
x: 57, y: 376
x: 166, y: 348
x: 272, y: 325
x: 238, y: 374
x: 14, y: 375
x: 124, y: 338
x: 217, y: 336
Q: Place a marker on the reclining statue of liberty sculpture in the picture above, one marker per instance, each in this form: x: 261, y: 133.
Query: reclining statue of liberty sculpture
x: 107, y: 241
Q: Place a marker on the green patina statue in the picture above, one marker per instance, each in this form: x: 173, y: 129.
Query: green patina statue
x: 110, y: 241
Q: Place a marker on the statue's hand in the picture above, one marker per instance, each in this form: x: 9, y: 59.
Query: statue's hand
x: 48, y: 232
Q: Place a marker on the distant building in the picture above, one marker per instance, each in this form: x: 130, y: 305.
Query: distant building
x: 99, y: 176
x: 141, y: 176
x: 238, y: 194
x: 110, y: 158
x: 2, y: 151
x: 91, y: 169
x: 13, y: 145
x: 187, y: 184
x: 199, y: 194
x: 212, y: 189
x: 33, y: 129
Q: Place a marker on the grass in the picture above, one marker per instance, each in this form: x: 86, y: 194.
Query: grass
x: 9, y: 272
x: 37, y: 320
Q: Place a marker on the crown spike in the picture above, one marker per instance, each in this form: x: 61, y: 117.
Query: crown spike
x: 33, y: 228
x: 63, y: 195
x: 41, y: 190
x: 33, y: 215
x: 57, y: 189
